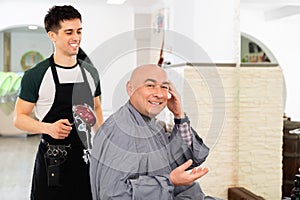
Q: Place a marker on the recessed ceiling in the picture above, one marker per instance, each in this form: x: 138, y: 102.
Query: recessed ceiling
x: 24, y: 29
x: 273, y: 9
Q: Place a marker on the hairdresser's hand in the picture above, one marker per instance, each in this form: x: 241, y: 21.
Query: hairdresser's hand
x: 174, y: 103
x: 181, y: 177
x: 59, y: 129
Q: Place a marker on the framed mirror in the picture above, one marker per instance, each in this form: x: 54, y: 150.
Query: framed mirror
x: 30, y: 58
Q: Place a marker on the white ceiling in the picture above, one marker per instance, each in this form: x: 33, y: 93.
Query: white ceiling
x: 143, y: 3
x: 131, y: 3
x: 273, y: 9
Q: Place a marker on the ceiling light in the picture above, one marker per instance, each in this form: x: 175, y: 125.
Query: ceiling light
x: 32, y: 27
x: 118, y: 2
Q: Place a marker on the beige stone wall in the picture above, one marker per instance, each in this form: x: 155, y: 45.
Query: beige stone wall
x: 260, y: 130
x: 247, y: 109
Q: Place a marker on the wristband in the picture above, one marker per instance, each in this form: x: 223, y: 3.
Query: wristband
x: 181, y: 120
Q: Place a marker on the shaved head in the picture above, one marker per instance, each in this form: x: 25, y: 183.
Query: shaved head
x: 141, y: 73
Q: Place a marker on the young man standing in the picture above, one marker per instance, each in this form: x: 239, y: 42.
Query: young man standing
x: 53, y: 87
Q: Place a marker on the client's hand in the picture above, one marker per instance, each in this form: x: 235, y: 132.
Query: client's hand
x: 181, y: 177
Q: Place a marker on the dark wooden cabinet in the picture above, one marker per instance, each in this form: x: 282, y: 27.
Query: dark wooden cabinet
x: 291, y: 156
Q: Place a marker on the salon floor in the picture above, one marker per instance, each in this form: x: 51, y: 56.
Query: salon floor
x: 17, y: 154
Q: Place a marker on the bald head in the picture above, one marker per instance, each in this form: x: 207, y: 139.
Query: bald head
x: 146, y: 71
x: 147, y: 88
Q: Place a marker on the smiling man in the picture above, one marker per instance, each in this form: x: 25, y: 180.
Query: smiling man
x: 52, y: 87
x: 135, y: 158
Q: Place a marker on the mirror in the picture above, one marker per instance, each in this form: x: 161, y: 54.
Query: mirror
x: 22, y: 47
x: 30, y: 58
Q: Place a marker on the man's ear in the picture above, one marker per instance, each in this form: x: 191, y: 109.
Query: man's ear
x: 129, y: 88
x: 51, y: 35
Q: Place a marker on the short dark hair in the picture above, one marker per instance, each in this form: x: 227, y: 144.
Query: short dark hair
x: 58, y: 14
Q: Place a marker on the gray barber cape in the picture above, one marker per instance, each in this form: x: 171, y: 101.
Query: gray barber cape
x: 133, y: 156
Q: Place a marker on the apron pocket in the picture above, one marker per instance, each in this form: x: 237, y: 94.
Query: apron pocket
x: 55, y: 157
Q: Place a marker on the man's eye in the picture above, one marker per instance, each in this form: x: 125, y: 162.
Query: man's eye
x: 149, y: 85
x: 165, y: 87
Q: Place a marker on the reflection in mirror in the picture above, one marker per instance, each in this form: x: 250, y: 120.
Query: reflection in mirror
x: 254, y: 51
x: 17, y: 41
x: 20, y: 49
x: 30, y: 58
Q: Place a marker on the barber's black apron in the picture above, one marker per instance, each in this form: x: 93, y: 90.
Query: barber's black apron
x: 74, y: 172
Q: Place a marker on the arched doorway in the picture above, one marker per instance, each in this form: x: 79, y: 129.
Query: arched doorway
x: 253, y: 50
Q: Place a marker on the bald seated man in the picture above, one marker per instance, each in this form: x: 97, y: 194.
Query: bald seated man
x: 135, y: 158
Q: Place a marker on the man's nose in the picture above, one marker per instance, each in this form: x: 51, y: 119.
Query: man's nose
x: 158, y: 92
x: 76, y: 36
